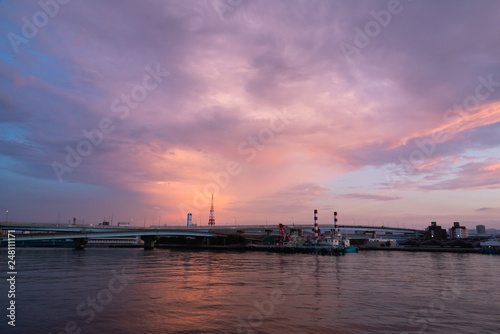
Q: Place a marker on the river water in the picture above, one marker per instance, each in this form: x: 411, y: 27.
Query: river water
x: 170, y: 291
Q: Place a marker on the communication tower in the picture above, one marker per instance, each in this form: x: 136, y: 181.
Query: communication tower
x: 211, y: 219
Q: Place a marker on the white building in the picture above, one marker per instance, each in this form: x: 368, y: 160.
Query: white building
x: 458, y: 232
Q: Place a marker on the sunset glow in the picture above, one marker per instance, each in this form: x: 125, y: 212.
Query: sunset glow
x: 141, y: 110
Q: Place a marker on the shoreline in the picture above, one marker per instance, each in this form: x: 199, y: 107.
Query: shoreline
x: 284, y: 250
x: 260, y: 248
x: 424, y: 249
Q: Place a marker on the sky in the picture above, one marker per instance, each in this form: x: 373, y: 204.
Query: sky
x: 387, y: 112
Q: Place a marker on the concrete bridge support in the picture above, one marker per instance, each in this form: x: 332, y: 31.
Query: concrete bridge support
x: 149, y: 241
x: 80, y: 243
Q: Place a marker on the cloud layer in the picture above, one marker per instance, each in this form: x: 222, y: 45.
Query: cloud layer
x: 260, y: 106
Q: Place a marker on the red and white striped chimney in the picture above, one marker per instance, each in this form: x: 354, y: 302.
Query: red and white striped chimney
x: 315, y: 224
x: 335, y: 222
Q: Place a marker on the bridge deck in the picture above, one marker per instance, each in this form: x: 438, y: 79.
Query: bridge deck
x: 59, y: 236
x: 85, y: 231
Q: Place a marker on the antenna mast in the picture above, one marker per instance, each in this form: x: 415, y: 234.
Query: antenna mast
x: 211, y: 219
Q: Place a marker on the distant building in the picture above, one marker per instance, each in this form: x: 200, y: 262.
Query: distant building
x: 435, y: 232
x: 480, y: 229
x: 123, y: 223
x: 189, y: 219
x: 458, y: 232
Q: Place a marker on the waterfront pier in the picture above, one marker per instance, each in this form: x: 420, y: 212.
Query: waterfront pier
x: 82, y: 235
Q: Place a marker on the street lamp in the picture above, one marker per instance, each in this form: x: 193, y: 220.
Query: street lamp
x: 234, y: 220
x: 6, y: 215
x: 266, y: 220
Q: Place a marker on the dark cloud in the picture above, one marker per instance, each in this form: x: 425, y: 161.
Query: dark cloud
x: 483, y: 209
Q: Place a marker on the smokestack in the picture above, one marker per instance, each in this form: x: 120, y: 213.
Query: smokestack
x: 315, y: 224
x: 335, y: 222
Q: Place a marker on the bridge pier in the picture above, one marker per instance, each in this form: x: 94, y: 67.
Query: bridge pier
x: 80, y: 243
x: 149, y: 242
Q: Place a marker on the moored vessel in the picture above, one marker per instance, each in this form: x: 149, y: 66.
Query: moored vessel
x: 491, y: 246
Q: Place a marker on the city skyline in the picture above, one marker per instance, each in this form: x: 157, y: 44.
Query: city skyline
x: 387, y: 112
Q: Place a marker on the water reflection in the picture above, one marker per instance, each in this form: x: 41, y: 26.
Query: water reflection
x: 214, y: 292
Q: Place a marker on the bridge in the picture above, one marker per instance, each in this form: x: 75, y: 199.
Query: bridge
x: 80, y: 234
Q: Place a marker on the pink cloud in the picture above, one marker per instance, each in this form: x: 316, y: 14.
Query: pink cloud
x: 228, y: 79
x: 377, y: 197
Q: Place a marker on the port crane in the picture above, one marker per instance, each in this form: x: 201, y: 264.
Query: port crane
x: 283, y: 236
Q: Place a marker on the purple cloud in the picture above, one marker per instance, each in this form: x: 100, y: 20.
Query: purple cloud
x: 227, y: 78
x: 377, y: 197
x: 483, y: 209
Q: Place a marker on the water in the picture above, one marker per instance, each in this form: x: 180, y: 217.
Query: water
x: 166, y: 291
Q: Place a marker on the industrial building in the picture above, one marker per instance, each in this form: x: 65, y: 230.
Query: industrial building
x: 435, y: 232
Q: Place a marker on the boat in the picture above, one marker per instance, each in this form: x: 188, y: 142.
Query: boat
x: 347, y: 246
x: 490, y: 246
x: 319, y: 244
x: 342, y: 241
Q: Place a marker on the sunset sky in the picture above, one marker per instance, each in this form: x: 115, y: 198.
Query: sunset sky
x: 385, y: 111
